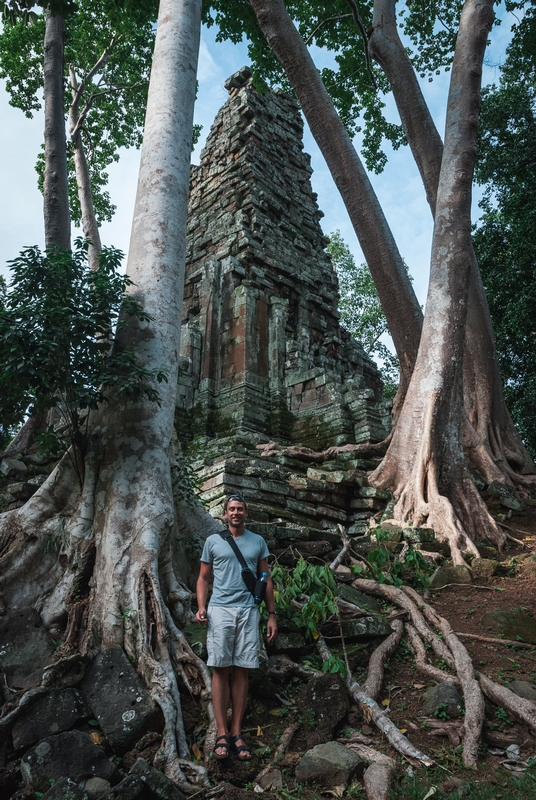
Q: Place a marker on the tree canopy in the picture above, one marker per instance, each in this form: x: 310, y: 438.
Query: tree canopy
x: 108, y: 51
x: 361, y: 311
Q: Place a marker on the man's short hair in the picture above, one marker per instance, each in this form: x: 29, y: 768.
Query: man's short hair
x: 235, y: 497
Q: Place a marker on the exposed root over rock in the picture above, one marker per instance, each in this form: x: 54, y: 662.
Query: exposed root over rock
x: 374, y: 680
x: 520, y: 708
x: 319, y: 456
x: 373, y: 712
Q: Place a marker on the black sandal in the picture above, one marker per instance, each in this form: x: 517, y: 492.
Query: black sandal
x: 222, y: 743
x: 240, y: 748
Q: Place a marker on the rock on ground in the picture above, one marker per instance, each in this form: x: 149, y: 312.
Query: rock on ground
x: 55, y: 713
x: 66, y: 755
x: 323, y: 703
x: 445, y: 694
x: 119, y: 700
x: 329, y: 764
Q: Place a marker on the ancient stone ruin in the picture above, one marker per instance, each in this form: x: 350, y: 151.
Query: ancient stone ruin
x: 263, y: 354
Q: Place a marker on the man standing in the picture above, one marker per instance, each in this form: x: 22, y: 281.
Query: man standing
x: 233, y: 622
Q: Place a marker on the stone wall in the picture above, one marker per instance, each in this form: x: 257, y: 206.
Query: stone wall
x: 263, y: 356
x: 262, y: 348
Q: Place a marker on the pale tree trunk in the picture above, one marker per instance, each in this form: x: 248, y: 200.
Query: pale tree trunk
x: 425, y: 463
x: 55, y: 188
x: 83, y: 182
x: 117, y: 575
x: 492, y: 443
x: 394, y: 288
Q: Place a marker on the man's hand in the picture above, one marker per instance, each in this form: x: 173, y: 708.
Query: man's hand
x: 271, y: 628
x: 201, y: 616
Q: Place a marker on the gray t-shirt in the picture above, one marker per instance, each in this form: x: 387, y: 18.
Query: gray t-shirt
x: 228, y: 587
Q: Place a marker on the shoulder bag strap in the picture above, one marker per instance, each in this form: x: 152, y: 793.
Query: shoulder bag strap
x: 228, y: 536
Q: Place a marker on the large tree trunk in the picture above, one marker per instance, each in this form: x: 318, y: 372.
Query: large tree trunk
x: 425, y: 462
x: 83, y: 182
x: 119, y: 534
x: 492, y: 443
x: 394, y: 288
x: 55, y: 188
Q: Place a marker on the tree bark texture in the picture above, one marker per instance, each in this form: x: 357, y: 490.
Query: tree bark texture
x: 491, y: 441
x: 425, y: 461
x: 394, y: 288
x: 114, y: 572
x: 83, y: 182
x: 55, y: 187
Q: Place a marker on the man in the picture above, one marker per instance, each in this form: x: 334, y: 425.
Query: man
x: 233, y: 622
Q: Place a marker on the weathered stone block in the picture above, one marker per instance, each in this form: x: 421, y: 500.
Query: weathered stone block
x: 359, y: 599
x: 55, y: 713
x: 25, y: 646
x: 67, y: 755
x: 323, y: 703
x: 329, y: 764
x: 13, y: 468
x: 119, y: 699
x: 358, y: 630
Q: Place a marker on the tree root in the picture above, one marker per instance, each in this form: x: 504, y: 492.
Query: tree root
x: 282, y: 667
x: 364, y: 450
x: 346, y: 547
x: 372, y: 712
x: 453, y: 730
x: 286, y: 739
x: 415, y: 483
x: 520, y: 708
x: 423, y: 667
x: 507, y: 642
x: 397, y: 597
x: 368, y: 753
x: 474, y: 701
x: 52, y: 678
x: 384, y: 651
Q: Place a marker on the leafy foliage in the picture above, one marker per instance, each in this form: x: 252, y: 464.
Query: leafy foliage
x: 348, y: 79
x: 505, y: 239
x: 361, y: 311
x: 113, y: 99
x: 305, y: 596
x: 57, y: 323
x: 386, y: 568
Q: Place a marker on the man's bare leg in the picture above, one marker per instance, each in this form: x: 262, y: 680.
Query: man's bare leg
x: 220, y: 701
x: 239, y: 695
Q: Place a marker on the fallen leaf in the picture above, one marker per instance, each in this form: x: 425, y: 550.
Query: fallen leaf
x: 196, y: 751
x: 419, y: 686
x: 385, y: 702
x: 259, y: 730
x: 431, y: 791
x: 278, y: 712
x: 97, y: 737
x: 403, y: 730
x: 366, y: 730
x: 337, y: 791
x: 514, y: 765
x: 315, y: 635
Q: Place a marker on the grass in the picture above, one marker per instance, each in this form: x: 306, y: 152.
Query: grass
x: 508, y: 787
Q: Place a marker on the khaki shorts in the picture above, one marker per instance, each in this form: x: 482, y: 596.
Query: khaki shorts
x: 233, y: 636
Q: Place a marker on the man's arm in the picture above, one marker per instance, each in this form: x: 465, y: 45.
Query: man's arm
x: 201, y: 590
x: 271, y: 625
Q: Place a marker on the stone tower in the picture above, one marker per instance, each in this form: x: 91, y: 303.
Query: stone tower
x: 262, y: 348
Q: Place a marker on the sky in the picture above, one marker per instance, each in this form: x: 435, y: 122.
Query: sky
x: 399, y: 187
